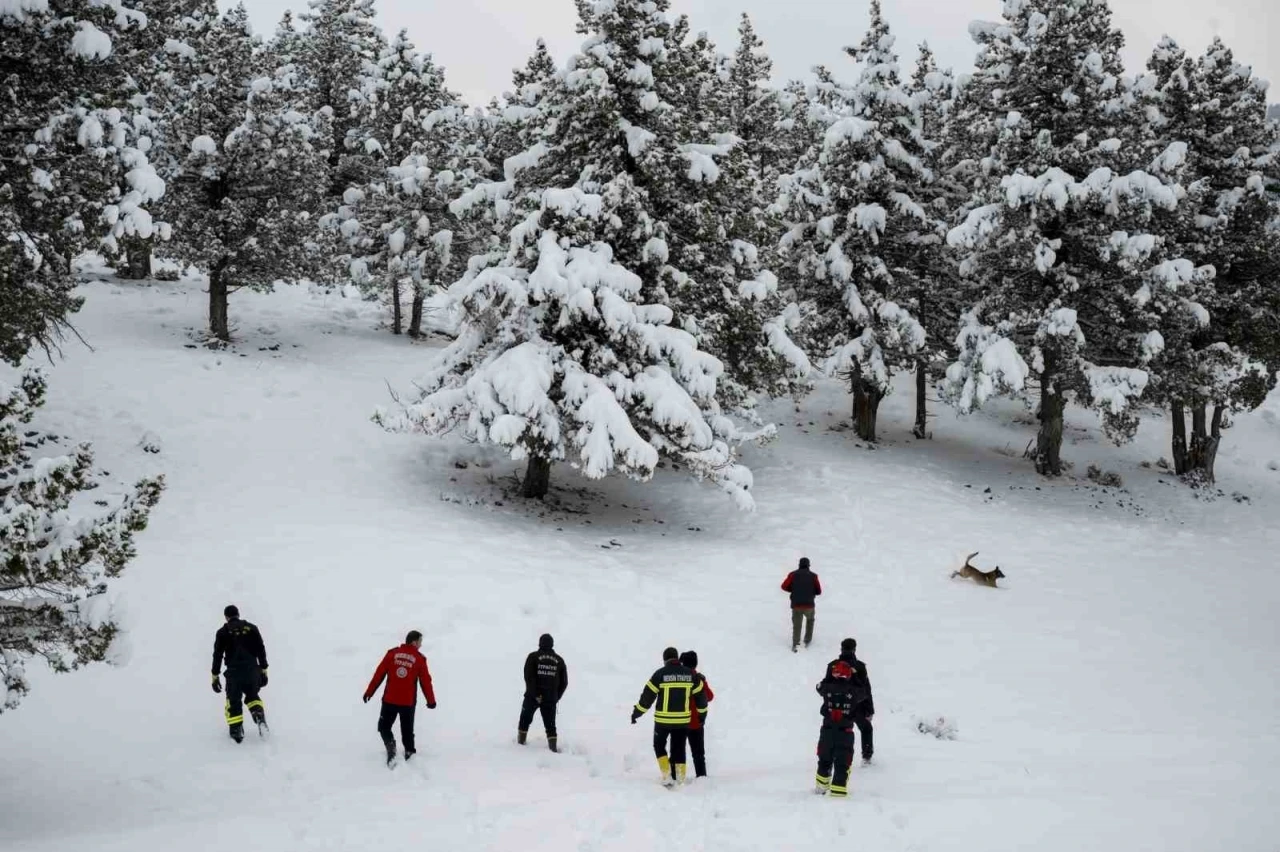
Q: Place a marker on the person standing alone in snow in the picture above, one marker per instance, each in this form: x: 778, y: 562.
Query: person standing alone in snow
x: 240, y: 644
x: 677, y: 695
x: 804, y: 587
x: 698, y: 722
x: 403, y: 668
x: 546, y: 677
x: 841, y: 693
x: 864, y: 707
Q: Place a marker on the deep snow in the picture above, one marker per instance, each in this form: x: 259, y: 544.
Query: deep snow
x: 1119, y: 694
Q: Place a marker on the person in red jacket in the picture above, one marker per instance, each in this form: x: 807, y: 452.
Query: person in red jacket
x: 804, y: 587
x: 698, y: 724
x: 404, y: 668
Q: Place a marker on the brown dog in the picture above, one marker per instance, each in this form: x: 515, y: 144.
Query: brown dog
x: 986, y: 578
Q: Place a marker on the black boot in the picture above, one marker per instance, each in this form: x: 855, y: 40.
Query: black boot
x: 551, y: 744
x: 391, y: 753
x: 522, y: 737
x: 237, y: 732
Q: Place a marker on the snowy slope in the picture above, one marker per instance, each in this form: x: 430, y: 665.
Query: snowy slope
x: 1120, y: 693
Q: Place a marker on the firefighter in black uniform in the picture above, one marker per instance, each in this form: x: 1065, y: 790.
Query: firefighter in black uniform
x: 841, y: 693
x: 865, y: 708
x: 240, y: 644
x: 546, y: 677
x: 678, y: 694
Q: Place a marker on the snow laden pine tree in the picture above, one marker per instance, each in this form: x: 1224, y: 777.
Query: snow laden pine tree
x: 74, y: 172
x: 55, y: 562
x: 398, y: 229
x: 567, y: 350
x: 1073, y: 279
x: 1224, y: 358
x: 853, y: 223
x: 341, y: 43
x: 245, y: 203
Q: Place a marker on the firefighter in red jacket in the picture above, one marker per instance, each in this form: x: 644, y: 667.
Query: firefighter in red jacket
x: 404, y: 668
x: 698, y: 722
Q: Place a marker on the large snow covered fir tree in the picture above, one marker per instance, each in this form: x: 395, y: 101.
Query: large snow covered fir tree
x: 246, y: 199
x: 568, y: 349
x: 1071, y: 275
x: 854, y: 223
x: 1224, y: 359
x: 73, y: 174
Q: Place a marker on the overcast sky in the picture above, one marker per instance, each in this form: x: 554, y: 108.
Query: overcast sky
x: 480, y: 41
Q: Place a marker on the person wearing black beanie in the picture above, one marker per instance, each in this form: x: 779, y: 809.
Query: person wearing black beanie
x: 864, y: 707
x: 698, y: 722
x: 546, y: 677
x: 675, y: 695
x: 240, y: 645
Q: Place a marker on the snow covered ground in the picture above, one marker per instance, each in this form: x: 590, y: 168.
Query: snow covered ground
x: 1120, y: 694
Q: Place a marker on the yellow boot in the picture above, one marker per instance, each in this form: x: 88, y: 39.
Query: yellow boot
x: 680, y: 773
x: 664, y: 766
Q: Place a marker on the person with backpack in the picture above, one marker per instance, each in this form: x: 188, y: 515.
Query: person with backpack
x: 404, y: 669
x: 240, y: 644
x: 698, y: 722
x: 804, y: 587
x: 835, y: 740
x: 858, y: 686
x: 675, y: 695
x: 546, y: 678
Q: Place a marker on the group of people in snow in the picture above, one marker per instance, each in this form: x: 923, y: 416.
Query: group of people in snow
x: 678, y: 693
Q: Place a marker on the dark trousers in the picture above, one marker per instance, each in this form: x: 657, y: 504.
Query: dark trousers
x: 546, y: 708
x: 864, y: 731
x: 799, y: 618
x: 698, y: 750
x: 835, y: 753
x: 388, y: 717
x: 242, y: 692
x: 678, y: 734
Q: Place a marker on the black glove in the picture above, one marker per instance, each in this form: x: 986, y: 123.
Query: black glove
x: 635, y: 714
x: 431, y: 705
x: 263, y: 681
x: 217, y: 684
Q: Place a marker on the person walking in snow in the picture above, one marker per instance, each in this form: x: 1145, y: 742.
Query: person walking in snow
x: 240, y: 644
x: 841, y: 693
x: 804, y: 587
x: 697, y: 722
x: 403, y: 668
x: 677, y: 694
x: 546, y: 677
x: 864, y: 707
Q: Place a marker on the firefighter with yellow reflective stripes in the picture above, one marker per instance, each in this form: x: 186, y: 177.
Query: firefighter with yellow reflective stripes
x: 675, y: 693
x: 240, y: 644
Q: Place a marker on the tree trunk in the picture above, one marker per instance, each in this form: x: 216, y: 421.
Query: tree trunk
x: 218, y: 324
x: 137, y: 264
x: 1049, y: 438
x: 537, y: 478
x: 1179, y: 414
x: 866, y: 406
x: 397, y: 314
x: 922, y: 403
x: 1206, y: 436
x: 415, y: 315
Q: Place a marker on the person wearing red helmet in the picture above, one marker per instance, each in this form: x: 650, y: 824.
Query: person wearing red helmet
x: 846, y: 703
x: 403, y: 668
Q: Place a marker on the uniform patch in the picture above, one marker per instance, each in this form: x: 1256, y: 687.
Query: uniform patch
x: 402, y: 672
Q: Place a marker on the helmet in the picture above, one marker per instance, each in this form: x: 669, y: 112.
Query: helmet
x: 842, y: 670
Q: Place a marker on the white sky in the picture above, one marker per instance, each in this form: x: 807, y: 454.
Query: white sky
x: 480, y: 41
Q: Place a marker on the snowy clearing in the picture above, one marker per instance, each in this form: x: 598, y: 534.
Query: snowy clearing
x: 1118, y: 694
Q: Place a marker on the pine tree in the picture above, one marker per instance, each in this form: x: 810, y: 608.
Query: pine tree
x: 74, y: 173
x: 934, y: 291
x: 854, y: 220
x: 1224, y: 357
x: 54, y: 565
x: 399, y: 228
x: 244, y: 205
x: 1064, y: 227
x: 340, y: 45
x: 567, y: 351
